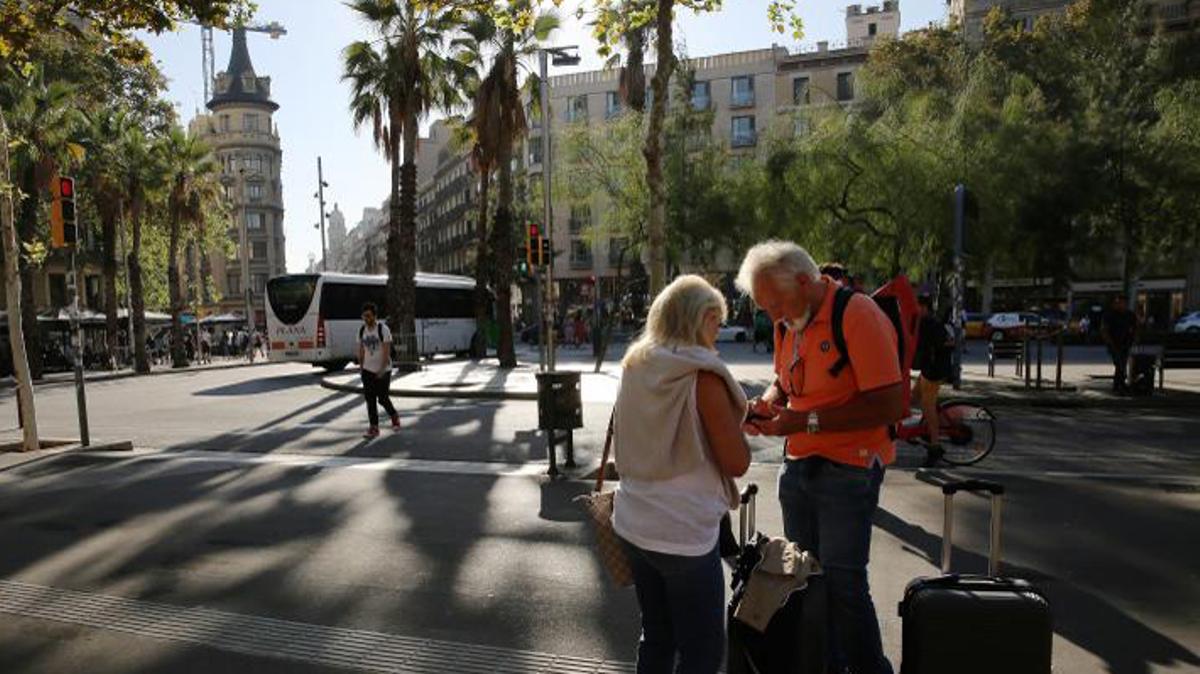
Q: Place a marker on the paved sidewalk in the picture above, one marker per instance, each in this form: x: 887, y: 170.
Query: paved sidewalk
x: 482, y: 380
x: 490, y: 563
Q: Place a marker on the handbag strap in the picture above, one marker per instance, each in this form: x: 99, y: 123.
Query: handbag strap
x: 604, y: 459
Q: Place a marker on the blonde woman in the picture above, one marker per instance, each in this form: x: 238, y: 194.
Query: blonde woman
x: 678, y: 442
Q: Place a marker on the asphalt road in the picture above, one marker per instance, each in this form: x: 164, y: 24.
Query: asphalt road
x: 270, y: 504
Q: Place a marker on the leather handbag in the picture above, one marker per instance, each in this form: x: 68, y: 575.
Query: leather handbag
x: 599, y: 507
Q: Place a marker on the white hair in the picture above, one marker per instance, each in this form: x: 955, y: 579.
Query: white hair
x: 676, y: 317
x: 783, y: 258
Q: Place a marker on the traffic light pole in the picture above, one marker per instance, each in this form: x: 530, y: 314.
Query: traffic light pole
x: 960, y: 198
x: 547, y: 213
x: 77, y: 348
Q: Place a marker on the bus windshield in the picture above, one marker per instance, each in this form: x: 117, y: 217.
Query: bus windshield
x: 290, y: 296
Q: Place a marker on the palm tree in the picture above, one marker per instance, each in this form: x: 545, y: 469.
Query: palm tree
x: 499, y: 122
x: 143, y: 171
x: 394, y: 82
x: 194, y: 194
x: 103, y: 175
x: 45, y: 117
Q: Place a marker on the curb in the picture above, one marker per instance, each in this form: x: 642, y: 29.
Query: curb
x: 1077, y: 402
x: 59, y: 447
x: 114, y: 376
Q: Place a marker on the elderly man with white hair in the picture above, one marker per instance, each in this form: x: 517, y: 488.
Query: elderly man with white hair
x: 836, y: 417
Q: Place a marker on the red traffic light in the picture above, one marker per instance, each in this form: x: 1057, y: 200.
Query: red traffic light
x: 66, y: 187
x: 533, y: 229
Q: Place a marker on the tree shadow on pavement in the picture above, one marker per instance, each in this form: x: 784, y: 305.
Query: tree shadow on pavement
x: 1093, y: 622
x: 224, y: 536
x: 251, y: 387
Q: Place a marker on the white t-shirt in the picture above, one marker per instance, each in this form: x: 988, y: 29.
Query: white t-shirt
x: 372, y: 341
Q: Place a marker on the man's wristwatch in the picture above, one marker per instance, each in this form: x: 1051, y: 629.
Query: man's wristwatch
x: 814, y: 423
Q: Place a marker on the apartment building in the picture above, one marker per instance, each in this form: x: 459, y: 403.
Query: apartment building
x: 245, y: 141
x: 748, y: 92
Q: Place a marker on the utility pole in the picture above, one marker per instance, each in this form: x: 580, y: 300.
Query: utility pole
x: 320, y: 195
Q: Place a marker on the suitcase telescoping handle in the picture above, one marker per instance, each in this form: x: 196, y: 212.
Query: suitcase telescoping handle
x: 746, y: 511
x: 996, y: 492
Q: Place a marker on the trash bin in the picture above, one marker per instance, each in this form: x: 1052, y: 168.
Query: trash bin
x: 560, y: 408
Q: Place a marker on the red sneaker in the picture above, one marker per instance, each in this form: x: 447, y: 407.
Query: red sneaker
x: 372, y: 432
x: 396, y: 423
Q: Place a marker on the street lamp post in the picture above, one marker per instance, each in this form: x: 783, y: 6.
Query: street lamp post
x: 561, y: 56
x: 320, y: 197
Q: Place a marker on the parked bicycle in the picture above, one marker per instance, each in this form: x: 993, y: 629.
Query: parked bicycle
x: 967, y: 433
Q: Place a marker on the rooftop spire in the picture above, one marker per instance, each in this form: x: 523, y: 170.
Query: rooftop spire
x: 239, y: 83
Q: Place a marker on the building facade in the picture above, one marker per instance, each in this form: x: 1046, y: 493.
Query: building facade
x: 335, y: 232
x: 365, y: 248
x: 245, y: 140
x: 447, y: 216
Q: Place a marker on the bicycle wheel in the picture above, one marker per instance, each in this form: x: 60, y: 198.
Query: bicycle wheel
x: 967, y: 433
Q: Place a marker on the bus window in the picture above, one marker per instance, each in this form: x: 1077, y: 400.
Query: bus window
x: 290, y: 296
x: 344, y: 301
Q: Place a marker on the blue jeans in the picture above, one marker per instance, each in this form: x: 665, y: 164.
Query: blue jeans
x: 827, y: 508
x: 683, y: 611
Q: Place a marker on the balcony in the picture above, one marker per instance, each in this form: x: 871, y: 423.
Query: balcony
x: 741, y: 99
x: 744, y: 139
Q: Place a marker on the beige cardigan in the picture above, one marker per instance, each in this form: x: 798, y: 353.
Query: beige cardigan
x: 656, y: 431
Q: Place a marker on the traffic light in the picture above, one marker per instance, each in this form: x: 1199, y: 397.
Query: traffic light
x: 63, y: 224
x: 544, y: 249
x: 532, y: 234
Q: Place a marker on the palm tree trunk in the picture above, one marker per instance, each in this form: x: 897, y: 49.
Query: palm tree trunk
x: 502, y: 247
x: 27, y: 233
x: 395, y: 289
x: 407, y: 237
x: 178, y: 354
x: 111, y: 324
x: 479, y: 344
x: 141, y: 362
x: 653, y: 148
x: 13, y: 290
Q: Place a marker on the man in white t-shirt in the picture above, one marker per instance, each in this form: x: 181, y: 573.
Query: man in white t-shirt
x: 375, y: 358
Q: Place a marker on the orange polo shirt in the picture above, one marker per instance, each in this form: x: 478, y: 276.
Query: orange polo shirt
x: 802, y: 363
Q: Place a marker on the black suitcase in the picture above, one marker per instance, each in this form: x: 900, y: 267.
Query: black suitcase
x: 973, y: 623
x: 796, y: 640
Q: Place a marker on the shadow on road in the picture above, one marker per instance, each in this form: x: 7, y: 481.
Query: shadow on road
x: 264, y: 385
x: 1062, y: 564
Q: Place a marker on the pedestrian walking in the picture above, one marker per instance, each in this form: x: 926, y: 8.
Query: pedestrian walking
x: 568, y: 331
x: 205, y: 347
x: 677, y: 443
x: 1118, y: 328
x: 836, y: 421
x: 934, y: 358
x: 375, y: 359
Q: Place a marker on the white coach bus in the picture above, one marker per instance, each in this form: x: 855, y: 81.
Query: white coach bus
x: 314, y: 318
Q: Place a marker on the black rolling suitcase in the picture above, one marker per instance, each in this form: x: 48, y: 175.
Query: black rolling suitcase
x: 955, y: 623
x: 796, y: 640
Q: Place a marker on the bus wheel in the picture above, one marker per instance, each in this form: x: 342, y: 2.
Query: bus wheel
x: 335, y: 365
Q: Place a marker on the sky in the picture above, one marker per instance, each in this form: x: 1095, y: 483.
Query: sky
x: 313, y: 118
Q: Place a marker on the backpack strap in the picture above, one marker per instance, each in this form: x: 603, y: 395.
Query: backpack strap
x: 841, y: 298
